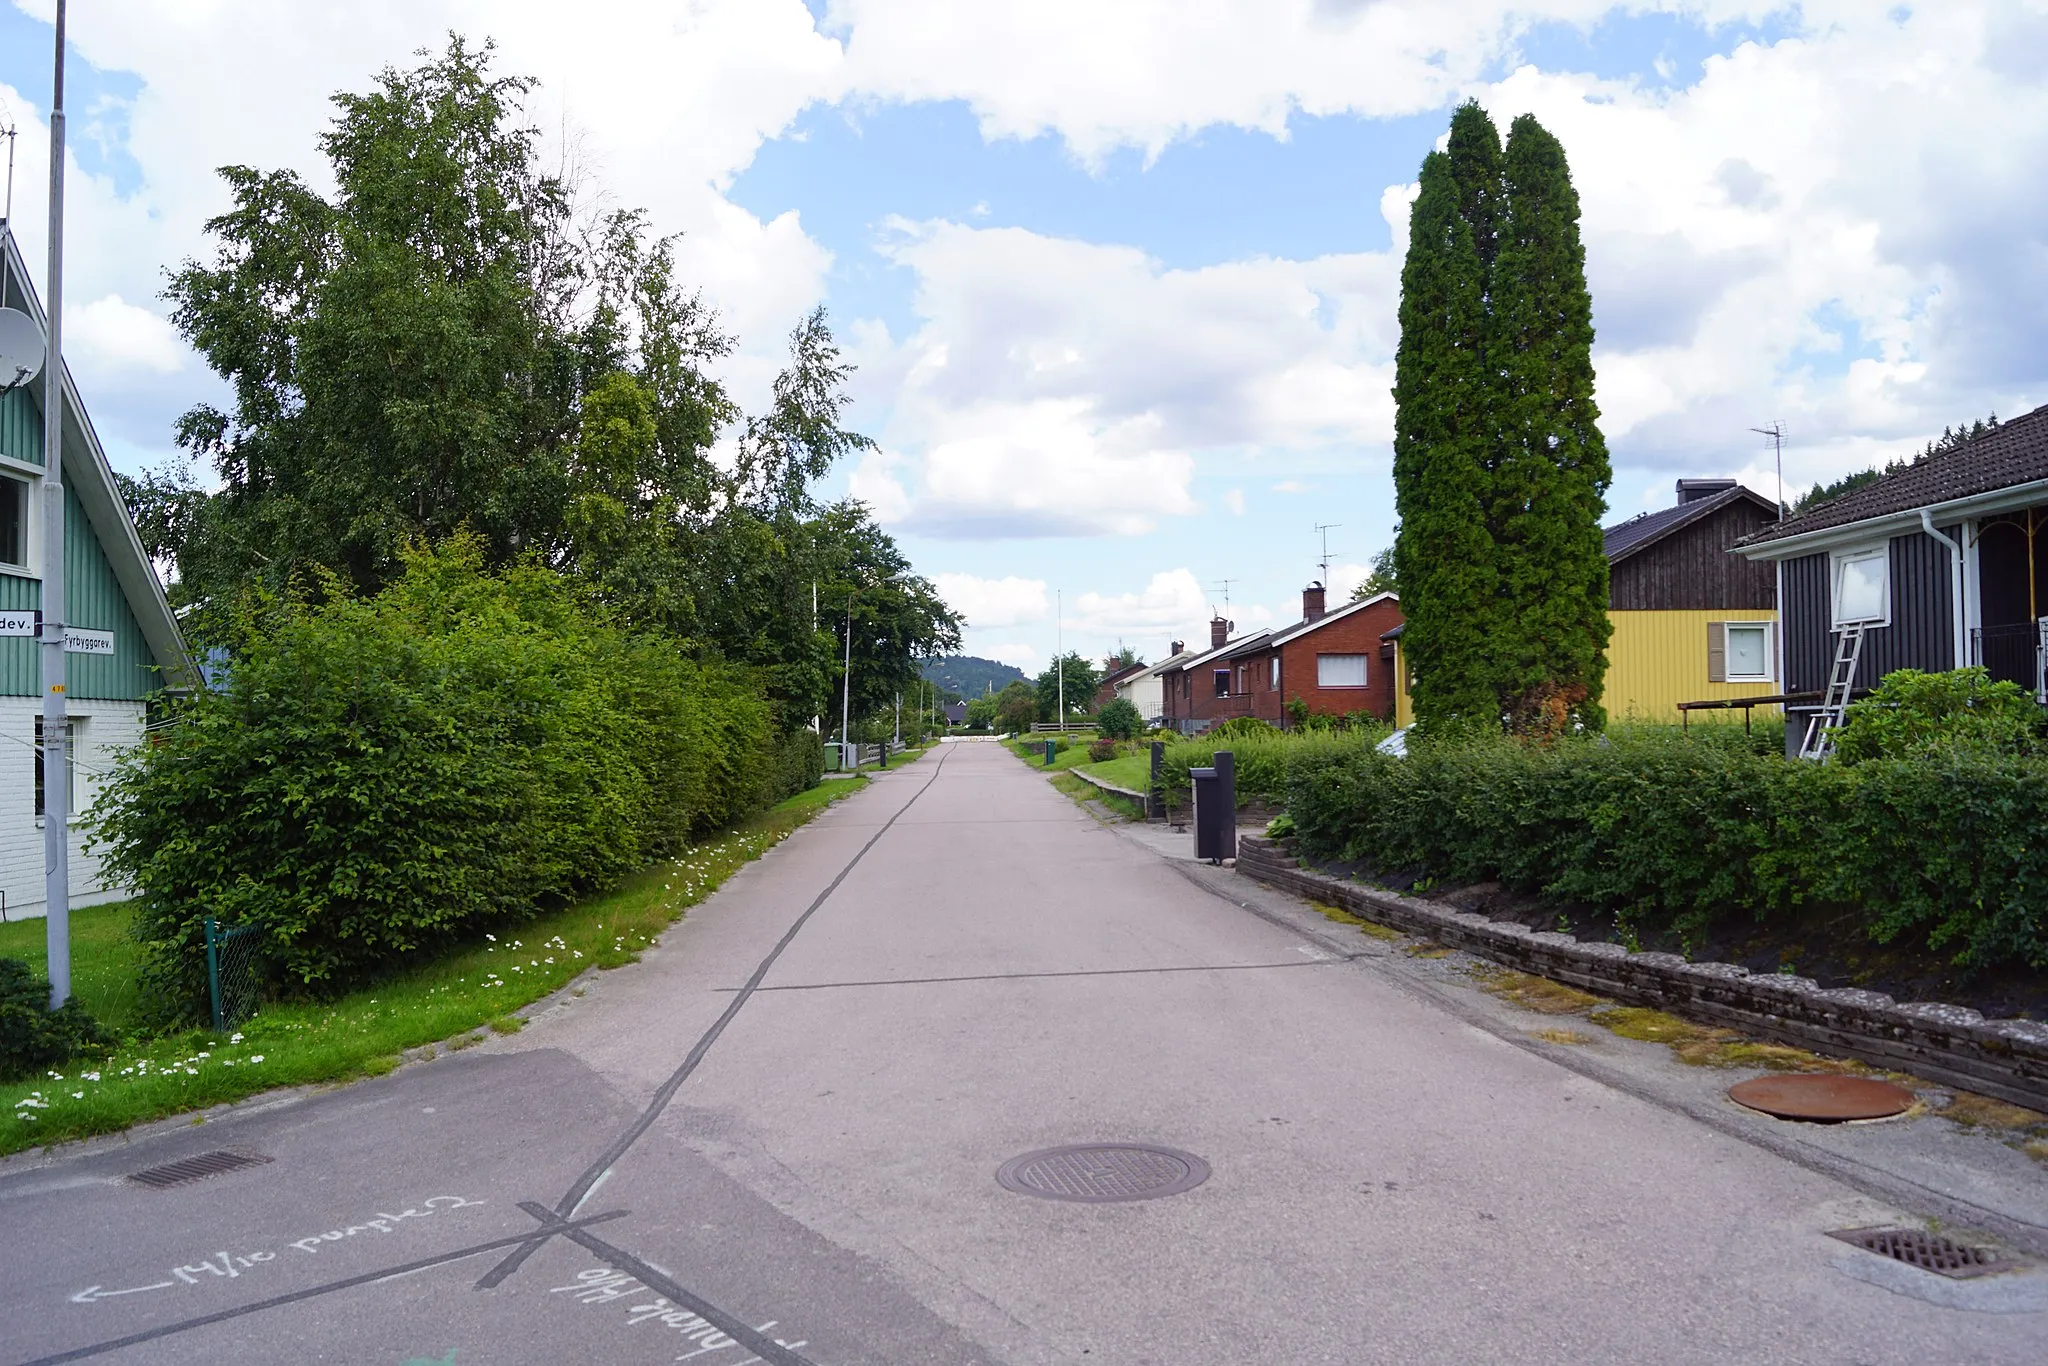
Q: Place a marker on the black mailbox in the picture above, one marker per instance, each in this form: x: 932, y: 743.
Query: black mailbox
x: 1216, y: 808
x: 1155, y: 789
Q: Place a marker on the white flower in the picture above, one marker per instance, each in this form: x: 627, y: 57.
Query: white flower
x: 235, y: 1038
x: 257, y: 1058
x: 78, y: 1095
x: 492, y: 937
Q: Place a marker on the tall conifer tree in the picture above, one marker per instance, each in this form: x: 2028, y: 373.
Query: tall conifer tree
x: 1443, y: 558
x: 1552, y: 475
x: 1500, y: 471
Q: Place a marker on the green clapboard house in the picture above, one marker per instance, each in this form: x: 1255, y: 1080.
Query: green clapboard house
x: 124, y: 642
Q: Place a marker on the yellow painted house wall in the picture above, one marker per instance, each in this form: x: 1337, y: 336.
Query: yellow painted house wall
x: 1655, y: 660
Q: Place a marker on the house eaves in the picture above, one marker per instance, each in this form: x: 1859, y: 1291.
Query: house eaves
x: 1904, y: 522
x: 85, y: 470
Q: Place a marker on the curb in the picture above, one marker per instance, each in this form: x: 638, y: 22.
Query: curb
x: 1954, y: 1045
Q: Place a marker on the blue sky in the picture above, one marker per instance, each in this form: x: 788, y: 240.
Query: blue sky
x: 1122, y: 290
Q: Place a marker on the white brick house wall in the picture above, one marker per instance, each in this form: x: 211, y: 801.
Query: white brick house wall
x: 103, y: 729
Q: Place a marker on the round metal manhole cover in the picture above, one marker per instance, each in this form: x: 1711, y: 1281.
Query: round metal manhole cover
x: 1822, y: 1099
x: 1097, y: 1173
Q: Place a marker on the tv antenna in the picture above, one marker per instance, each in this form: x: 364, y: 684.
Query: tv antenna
x: 8, y: 131
x: 1323, y: 530
x: 1223, y: 585
x: 1776, y: 432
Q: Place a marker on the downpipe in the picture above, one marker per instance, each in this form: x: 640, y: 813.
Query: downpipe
x: 1962, y: 633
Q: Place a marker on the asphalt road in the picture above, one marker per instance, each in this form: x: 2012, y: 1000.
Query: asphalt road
x: 951, y: 969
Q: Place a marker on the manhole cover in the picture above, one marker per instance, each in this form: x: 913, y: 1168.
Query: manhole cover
x: 1928, y: 1251
x: 188, y: 1169
x: 1100, y: 1172
x: 1825, y: 1099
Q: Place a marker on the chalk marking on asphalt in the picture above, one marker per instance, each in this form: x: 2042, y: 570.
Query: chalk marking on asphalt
x: 224, y: 1265
x: 768, y: 1349
x: 497, y: 1275
x: 310, y: 1292
x: 1075, y: 972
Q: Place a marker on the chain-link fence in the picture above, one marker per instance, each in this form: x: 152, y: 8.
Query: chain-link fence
x: 231, y: 973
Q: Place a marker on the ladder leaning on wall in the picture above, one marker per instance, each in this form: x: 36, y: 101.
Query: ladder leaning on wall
x: 1820, y: 731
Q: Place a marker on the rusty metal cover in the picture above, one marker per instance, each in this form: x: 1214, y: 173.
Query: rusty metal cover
x: 1821, y: 1098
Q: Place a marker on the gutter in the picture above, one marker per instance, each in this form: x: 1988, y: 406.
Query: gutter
x: 1962, y: 636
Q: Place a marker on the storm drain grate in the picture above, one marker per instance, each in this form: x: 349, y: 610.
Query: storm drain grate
x: 189, y: 1169
x: 1097, y: 1173
x: 1928, y: 1251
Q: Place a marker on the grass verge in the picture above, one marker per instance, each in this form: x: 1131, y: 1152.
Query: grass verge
x: 470, y: 988
x: 1084, y: 793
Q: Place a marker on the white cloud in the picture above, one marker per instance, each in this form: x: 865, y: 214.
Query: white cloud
x: 1233, y: 499
x: 1008, y: 601
x: 1144, y: 73
x: 1290, y: 486
x: 113, y: 336
x: 1171, y: 603
x: 1344, y: 578
x: 1063, y: 387
x: 1017, y: 654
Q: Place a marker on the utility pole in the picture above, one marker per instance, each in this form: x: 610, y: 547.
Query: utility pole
x: 1776, y: 432
x: 1059, y: 658
x: 56, y: 769
x: 899, y: 720
x: 846, y: 687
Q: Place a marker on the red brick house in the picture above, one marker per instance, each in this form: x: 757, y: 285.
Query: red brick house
x: 1106, y: 691
x: 1330, y: 660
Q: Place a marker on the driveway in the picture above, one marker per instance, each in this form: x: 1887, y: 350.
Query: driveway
x: 777, y: 1139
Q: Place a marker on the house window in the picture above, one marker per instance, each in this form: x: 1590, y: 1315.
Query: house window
x: 1276, y: 673
x: 1340, y: 671
x: 1738, y: 651
x: 13, y: 522
x: 1863, y: 589
x: 70, y: 767
x: 1223, y: 682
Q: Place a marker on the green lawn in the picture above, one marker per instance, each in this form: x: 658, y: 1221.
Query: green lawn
x: 363, y: 1033
x: 1032, y: 751
x: 1131, y: 770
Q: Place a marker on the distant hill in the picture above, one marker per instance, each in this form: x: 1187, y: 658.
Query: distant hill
x: 971, y: 676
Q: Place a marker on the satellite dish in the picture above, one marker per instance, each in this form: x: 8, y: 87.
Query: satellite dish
x: 21, y: 349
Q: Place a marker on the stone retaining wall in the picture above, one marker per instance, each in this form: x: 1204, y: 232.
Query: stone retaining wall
x: 1952, y: 1045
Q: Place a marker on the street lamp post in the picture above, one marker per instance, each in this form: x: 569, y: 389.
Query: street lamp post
x: 56, y: 769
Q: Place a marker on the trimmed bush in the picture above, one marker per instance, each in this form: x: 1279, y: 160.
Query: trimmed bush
x: 1913, y: 713
x: 1102, y: 751
x: 34, y: 1037
x: 381, y: 775
x: 1119, y: 720
x: 1671, y: 832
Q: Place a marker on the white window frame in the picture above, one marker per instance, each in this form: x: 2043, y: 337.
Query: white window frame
x: 1364, y: 663
x: 30, y: 500
x: 73, y: 736
x: 1276, y: 673
x: 1838, y: 562
x: 1770, y: 651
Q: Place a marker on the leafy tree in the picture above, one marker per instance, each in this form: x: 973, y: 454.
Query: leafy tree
x: 1443, y: 555
x: 1071, y: 675
x: 1381, y: 577
x: 1119, y: 719
x: 1550, y: 484
x: 897, y: 618
x: 981, y: 712
x: 1017, y: 707
x: 1123, y: 657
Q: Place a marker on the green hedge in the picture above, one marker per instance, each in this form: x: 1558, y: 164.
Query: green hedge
x: 380, y: 775
x: 1672, y: 832
x: 1262, y: 760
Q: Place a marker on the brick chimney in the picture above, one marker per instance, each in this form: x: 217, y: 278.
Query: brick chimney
x: 1178, y: 646
x: 1219, y: 631
x: 1311, y: 602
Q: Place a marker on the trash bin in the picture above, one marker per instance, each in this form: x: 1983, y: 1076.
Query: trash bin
x: 1216, y: 808
x: 1051, y: 746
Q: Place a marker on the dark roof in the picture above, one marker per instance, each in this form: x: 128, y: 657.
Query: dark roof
x: 1637, y: 532
x: 1282, y: 634
x: 2014, y: 452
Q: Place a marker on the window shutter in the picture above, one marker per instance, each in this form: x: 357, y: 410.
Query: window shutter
x: 1717, y: 652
